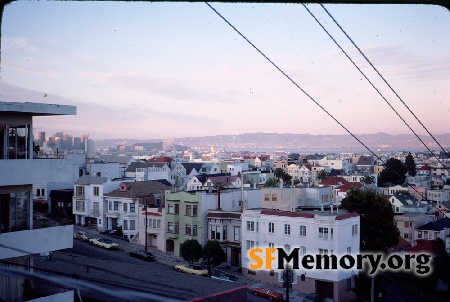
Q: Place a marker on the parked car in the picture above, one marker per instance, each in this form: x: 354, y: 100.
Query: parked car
x: 229, y: 278
x: 80, y: 235
x: 192, y: 269
x: 141, y: 254
x: 313, y: 298
x: 104, y: 243
x: 268, y: 293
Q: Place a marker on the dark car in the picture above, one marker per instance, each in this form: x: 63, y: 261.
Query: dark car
x: 268, y: 293
x: 146, y: 256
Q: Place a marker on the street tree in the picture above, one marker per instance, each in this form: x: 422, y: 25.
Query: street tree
x: 378, y: 230
x: 286, y: 178
x: 368, y: 179
x: 191, y: 250
x: 279, y: 173
x: 213, y: 253
x: 271, y: 182
x: 394, y: 172
x: 322, y: 175
x: 410, y: 164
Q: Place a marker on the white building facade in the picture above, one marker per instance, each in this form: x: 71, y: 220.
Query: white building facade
x: 314, y: 233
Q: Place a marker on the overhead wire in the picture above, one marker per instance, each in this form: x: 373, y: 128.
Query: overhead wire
x: 316, y: 102
x: 384, y: 80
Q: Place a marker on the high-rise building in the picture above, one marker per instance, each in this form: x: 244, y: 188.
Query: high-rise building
x: 77, y: 144
x: 20, y: 237
x: 67, y: 142
x: 41, y: 138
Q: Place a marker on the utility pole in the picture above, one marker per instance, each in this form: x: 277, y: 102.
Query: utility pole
x: 146, y: 225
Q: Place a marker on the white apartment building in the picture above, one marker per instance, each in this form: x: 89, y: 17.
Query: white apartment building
x: 20, y: 169
x: 88, y: 206
x: 324, y: 233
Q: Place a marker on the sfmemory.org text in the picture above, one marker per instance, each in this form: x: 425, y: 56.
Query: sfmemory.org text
x: 263, y: 259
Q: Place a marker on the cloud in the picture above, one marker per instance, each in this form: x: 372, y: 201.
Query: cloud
x: 395, y: 60
x: 169, y: 88
x: 22, y: 43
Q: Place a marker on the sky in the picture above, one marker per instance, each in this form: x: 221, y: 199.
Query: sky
x: 157, y: 70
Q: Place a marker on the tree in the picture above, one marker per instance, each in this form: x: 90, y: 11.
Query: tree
x: 191, y: 250
x: 378, y: 230
x: 393, y: 173
x: 286, y: 178
x: 278, y: 173
x: 322, y: 175
x: 213, y: 253
x: 271, y: 182
x: 410, y: 165
x: 368, y: 179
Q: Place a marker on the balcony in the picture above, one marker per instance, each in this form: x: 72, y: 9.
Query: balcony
x: 22, y: 243
x: 30, y: 171
x: 172, y: 235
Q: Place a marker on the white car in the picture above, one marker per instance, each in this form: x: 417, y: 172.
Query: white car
x: 104, y: 243
x: 80, y: 235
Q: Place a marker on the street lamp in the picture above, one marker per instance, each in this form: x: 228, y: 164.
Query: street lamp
x: 146, y: 225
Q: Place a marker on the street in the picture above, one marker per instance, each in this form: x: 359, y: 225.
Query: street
x: 119, y: 277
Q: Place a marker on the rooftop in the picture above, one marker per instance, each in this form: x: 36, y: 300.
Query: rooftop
x: 37, y: 109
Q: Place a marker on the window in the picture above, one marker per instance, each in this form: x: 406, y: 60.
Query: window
x: 177, y: 208
x: 125, y: 207
x: 354, y: 230
x: 287, y: 247
x: 170, y: 208
x: 349, y: 250
x: 132, y: 207
x: 271, y: 227
x: 110, y: 205
x: 116, y: 205
x: 323, y: 252
x: 96, y: 191
x: 170, y: 228
x: 302, y: 250
x: 79, y: 191
x: 271, y: 244
x: 257, y: 226
x: 250, y: 226
x: 132, y: 224
x: 250, y: 244
x: 323, y: 233
x: 80, y: 206
x: 274, y: 197
x: 225, y: 235
x: 266, y: 197
x: 331, y: 233
x: 188, y: 210
x: 406, y: 224
x: 14, y: 140
x: 188, y: 229
x: 194, y: 210
x: 237, y: 233
x: 419, y: 234
x: 125, y: 224
x: 287, y: 229
x: 303, y: 230
x: 194, y: 230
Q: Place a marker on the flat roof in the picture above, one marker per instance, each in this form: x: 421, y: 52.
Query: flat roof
x: 37, y: 109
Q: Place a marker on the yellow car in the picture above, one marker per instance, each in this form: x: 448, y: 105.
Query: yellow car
x: 104, y: 243
x: 192, y: 269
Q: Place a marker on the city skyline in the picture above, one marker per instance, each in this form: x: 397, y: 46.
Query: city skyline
x: 160, y: 70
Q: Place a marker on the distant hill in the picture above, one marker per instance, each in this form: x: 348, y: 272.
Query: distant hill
x: 297, y: 141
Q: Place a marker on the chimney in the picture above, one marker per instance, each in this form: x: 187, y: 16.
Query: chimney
x: 218, y: 198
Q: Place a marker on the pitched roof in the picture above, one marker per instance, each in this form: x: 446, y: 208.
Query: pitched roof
x: 365, y: 160
x: 421, y: 247
x: 437, y: 225
x: 91, y: 180
x: 140, y: 164
x: 332, y: 181
x: 139, y: 189
x: 424, y: 168
x: 346, y: 216
x: 190, y: 166
x: 347, y: 186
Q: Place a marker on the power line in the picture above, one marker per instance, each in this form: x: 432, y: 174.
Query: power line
x: 370, y: 82
x: 381, y: 76
x: 312, y: 99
